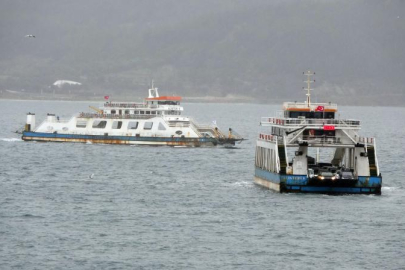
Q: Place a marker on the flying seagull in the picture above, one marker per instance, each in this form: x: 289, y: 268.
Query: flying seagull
x: 91, y: 176
x: 30, y: 36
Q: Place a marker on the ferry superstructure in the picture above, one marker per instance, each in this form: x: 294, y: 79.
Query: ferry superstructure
x: 157, y: 121
x: 307, y: 150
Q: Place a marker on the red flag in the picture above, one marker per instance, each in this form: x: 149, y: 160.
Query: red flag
x: 328, y: 127
x: 320, y: 109
x: 106, y: 97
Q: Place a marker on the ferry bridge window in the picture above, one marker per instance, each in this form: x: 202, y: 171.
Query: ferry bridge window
x: 136, y: 112
x: 318, y: 115
x: 148, y: 125
x: 126, y: 111
x: 142, y: 112
x: 99, y: 124
x: 117, y: 124
x: 133, y: 125
x: 153, y: 112
x: 113, y: 112
x: 159, y: 112
x: 296, y: 114
x: 161, y: 127
x: 168, y: 102
x: 81, y: 123
x: 147, y: 112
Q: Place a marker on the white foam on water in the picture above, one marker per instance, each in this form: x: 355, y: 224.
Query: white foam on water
x: 242, y: 184
x: 11, y: 140
x: 389, y: 188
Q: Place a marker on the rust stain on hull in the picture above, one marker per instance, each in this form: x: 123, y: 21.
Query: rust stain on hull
x: 189, y: 143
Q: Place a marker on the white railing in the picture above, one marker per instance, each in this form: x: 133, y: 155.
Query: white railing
x: 279, y: 121
x: 124, y: 105
x: 331, y: 106
x: 270, y: 138
x: 367, y: 140
x: 320, y: 139
x: 118, y: 116
x: 179, y: 124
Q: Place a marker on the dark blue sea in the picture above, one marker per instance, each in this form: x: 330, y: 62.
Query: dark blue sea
x: 188, y: 208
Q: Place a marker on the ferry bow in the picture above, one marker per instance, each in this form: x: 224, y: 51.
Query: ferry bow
x: 308, y: 150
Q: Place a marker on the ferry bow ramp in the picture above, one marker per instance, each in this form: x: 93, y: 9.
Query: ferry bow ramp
x: 308, y: 150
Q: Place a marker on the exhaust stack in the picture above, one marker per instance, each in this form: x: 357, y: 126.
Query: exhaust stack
x: 30, y: 124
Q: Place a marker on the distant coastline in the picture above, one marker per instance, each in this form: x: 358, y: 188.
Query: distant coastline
x: 383, y: 101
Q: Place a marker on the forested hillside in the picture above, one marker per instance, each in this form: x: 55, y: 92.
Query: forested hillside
x: 255, y: 50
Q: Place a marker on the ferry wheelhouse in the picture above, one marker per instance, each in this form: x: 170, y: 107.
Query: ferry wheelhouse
x: 308, y: 150
x: 157, y: 121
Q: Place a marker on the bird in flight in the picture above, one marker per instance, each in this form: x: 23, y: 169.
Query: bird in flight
x: 30, y: 36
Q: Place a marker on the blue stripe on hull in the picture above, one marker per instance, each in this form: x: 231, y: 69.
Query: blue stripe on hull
x: 32, y: 136
x: 299, y: 184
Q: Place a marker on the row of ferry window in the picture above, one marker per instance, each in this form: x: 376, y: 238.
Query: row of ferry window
x: 145, y: 112
x: 118, y: 125
x: 308, y: 132
x: 310, y: 115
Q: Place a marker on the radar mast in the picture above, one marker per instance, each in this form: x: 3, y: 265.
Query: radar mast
x: 308, y: 89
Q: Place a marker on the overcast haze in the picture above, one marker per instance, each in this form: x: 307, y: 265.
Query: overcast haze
x: 251, y: 49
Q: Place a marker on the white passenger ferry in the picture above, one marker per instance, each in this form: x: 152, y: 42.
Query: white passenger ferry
x: 157, y: 121
x: 307, y: 150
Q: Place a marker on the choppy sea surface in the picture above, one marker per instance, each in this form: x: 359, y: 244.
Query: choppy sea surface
x: 188, y: 208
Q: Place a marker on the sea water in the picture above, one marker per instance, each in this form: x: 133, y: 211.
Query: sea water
x: 90, y: 206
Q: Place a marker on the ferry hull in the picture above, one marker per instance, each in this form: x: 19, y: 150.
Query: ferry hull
x: 301, y: 184
x: 170, y: 141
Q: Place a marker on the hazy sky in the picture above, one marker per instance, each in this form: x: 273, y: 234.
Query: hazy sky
x: 205, y: 47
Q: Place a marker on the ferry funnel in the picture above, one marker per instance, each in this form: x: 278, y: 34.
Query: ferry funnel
x: 30, y: 124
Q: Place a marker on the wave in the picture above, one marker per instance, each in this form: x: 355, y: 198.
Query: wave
x: 243, y: 184
x: 31, y: 216
x: 389, y: 188
x: 11, y: 139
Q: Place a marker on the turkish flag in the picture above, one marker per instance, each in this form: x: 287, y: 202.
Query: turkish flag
x: 328, y: 127
x: 320, y: 109
x: 106, y: 97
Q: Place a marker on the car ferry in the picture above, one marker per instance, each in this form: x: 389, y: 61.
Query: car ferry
x: 157, y: 121
x: 308, y: 150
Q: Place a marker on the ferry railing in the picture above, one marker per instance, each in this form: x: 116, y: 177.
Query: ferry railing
x: 179, y: 124
x: 270, y: 138
x: 193, y: 126
x: 118, y: 116
x: 127, y: 105
x: 266, y: 121
x: 213, y: 129
x: 332, y: 106
x: 366, y: 140
x: 310, y: 139
x: 320, y: 139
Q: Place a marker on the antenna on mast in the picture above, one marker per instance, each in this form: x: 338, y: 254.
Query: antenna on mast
x: 153, y: 92
x: 309, y: 89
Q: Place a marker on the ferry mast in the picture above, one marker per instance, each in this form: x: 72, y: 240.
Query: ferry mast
x: 309, y: 89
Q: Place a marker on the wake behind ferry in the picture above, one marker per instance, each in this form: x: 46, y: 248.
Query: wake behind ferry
x: 157, y: 121
x: 308, y: 150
